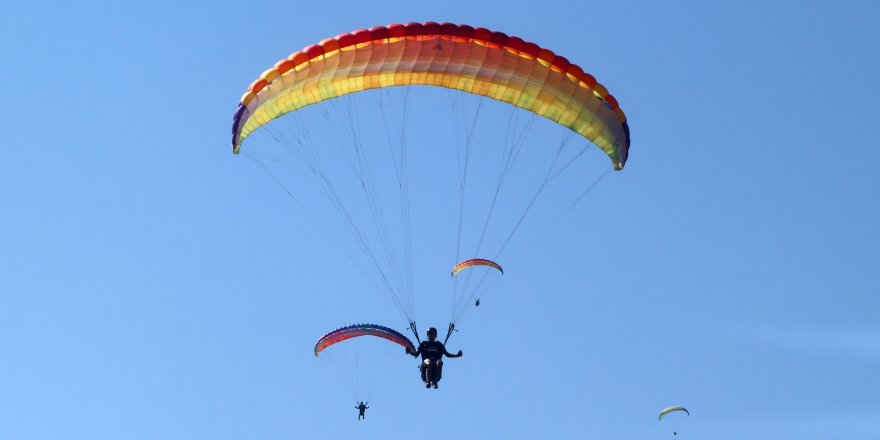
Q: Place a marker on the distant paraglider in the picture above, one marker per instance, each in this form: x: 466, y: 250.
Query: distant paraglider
x: 361, y: 357
x: 670, y: 409
x: 474, y: 263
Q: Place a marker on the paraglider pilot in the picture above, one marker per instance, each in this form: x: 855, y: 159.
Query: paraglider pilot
x: 361, y: 407
x: 432, y: 352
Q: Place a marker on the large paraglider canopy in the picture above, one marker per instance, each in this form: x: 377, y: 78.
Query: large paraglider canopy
x: 473, y: 60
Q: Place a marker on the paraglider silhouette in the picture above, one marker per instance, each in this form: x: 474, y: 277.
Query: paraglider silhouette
x: 670, y: 409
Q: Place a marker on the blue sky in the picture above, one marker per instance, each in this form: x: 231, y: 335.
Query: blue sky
x: 156, y: 286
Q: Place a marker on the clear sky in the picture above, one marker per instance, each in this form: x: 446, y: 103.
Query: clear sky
x: 155, y: 286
